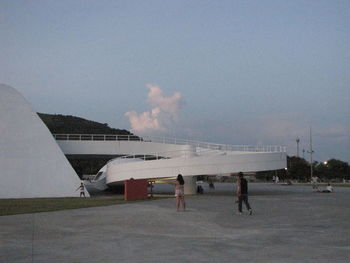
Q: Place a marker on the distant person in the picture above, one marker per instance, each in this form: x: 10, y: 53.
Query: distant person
x: 179, y: 192
x: 277, y: 179
x: 329, y: 189
x: 150, y: 185
x: 242, y: 193
x: 314, y: 181
x: 211, y: 185
x: 200, y: 189
x: 82, y: 189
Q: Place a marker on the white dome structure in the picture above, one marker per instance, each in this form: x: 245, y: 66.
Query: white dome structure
x: 31, y: 162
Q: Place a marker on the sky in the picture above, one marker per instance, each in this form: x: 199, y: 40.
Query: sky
x: 233, y: 72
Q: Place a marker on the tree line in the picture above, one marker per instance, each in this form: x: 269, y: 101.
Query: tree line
x: 67, y: 124
x: 298, y: 168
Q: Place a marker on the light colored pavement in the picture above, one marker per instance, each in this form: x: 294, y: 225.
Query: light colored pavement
x: 289, y: 224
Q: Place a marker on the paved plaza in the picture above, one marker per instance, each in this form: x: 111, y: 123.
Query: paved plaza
x: 289, y: 224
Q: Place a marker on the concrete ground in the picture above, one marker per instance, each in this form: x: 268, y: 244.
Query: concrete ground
x: 289, y: 224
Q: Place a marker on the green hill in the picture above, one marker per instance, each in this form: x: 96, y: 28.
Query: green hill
x: 67, y: 124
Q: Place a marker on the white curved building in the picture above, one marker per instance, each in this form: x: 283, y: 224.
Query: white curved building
x: 160, y: 158
x: 31, y: 162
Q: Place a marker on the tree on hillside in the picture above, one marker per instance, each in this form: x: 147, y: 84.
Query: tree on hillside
x: 333, y: 169
x: 67, y: 124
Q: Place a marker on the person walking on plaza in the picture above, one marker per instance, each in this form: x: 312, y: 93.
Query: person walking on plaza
x: 242, y: 193
x: 179, y: 192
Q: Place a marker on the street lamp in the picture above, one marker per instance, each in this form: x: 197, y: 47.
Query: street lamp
x: 297, y: 140
x: 311, y: 152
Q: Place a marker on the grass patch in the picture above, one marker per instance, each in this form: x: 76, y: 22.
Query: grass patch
x: 35, y: 205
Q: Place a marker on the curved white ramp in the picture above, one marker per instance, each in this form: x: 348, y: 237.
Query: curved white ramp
x: 31, y: 162
x: 196, y: 165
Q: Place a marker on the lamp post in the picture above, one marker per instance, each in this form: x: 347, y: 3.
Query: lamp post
x: 311, y: 152
x: 297, y: 140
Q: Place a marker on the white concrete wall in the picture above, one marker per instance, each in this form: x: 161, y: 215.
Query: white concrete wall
x: 31, y: 162
x: 196, y: 165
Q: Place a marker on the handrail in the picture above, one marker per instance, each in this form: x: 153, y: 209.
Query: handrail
x: 96, y: 137
x: 164, y: 155
x: 197, y: 144
x: 145, y: 157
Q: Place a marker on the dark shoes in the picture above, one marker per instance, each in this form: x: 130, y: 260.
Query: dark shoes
x: 250, y: 211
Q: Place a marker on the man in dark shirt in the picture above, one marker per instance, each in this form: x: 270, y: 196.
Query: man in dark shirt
x: 242, y: 193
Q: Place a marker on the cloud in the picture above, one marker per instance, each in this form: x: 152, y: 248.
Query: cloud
x: 283, y: 127
x: 145, y: 121
x: 330, y: 140
x: 338, y: 133
x: 163, y: 115
x: 170, y: 105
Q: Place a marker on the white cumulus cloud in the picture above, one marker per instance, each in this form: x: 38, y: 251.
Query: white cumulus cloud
x: 163, y: 114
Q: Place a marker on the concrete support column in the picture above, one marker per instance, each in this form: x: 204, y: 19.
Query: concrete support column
x: 190, y: 185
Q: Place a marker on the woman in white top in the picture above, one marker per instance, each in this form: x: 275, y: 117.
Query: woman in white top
x: 179, y: 192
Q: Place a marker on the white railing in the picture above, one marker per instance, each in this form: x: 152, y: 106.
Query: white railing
x: 197, y: 144
x: 96, y: 137
x: 143, y: 157
x: 164, y: 155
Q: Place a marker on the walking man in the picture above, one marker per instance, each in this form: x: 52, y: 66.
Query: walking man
x: 242, y: 193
